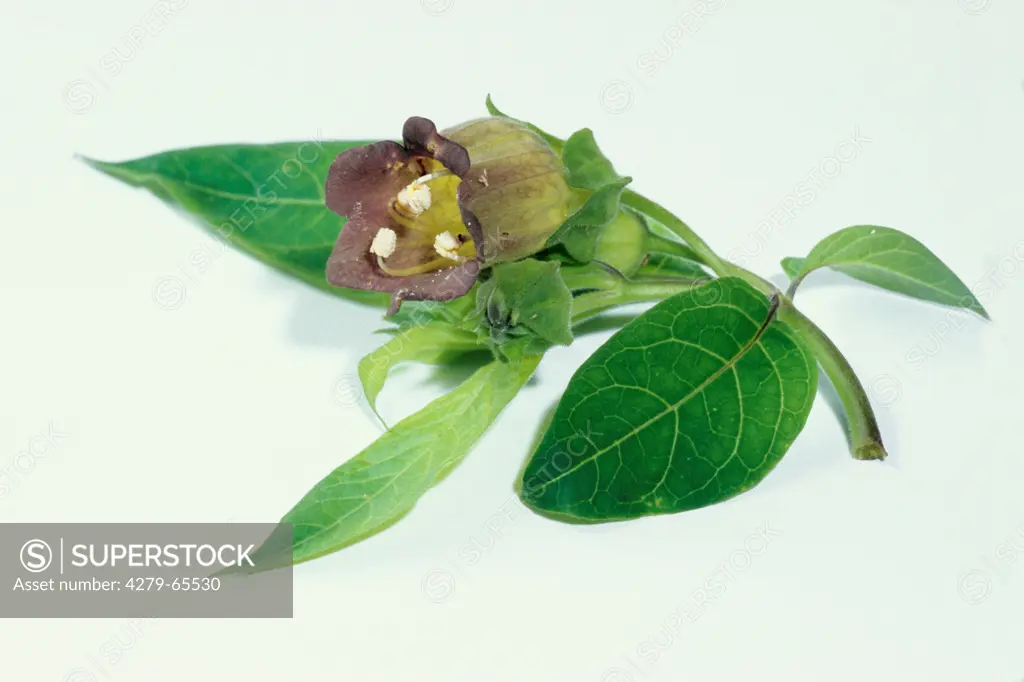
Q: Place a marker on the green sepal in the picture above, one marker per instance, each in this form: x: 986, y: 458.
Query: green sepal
x: 556, y: 143
x: 586, y: 166
x: 579, y: 233
x: 528, y: 297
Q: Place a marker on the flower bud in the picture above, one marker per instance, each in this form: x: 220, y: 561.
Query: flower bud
x: 516, y: 186
x: 622, y: 243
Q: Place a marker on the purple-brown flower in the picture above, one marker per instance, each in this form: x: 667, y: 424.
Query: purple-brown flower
x: 425, y: 216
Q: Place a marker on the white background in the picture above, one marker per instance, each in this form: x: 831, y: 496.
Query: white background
x: 224, y: 408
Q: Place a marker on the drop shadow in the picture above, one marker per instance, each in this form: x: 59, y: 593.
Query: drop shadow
x: 322, y: 320
x: 825, y: 279
x: 780, y: 280
x: 828, y: 392
x: 459, y: 368
x: 547, y: 417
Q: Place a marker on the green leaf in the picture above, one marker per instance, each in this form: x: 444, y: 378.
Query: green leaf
x: 580, y: 232
x: 555, y: 143
x: 585, y: 165
x: 381, y: 484
x: 266, y: 200
x: 434, y: 343
x: 530, y: 293
x: 691, y: 403
x: 793, y: 266
x: 889, y: 259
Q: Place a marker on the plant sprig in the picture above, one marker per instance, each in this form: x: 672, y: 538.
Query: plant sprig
x: 690, y: 403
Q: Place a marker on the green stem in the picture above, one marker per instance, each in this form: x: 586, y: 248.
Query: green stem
x: 685, y: 232
x: 669, y: 220
x: 658, y: 244
x: 865, y: 437
x: 793, y: 284
x: 586, y: 306
x: 591, y: 276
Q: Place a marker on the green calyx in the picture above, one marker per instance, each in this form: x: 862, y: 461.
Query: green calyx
x: 528, y: 297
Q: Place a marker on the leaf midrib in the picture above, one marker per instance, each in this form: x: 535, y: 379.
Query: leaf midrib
x: 873, y: 266
x: 729, y: 365
x: 223, y: 194
x: 171, y: 185
x: 368, y: 499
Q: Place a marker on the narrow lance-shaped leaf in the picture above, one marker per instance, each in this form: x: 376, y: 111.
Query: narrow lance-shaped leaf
x: 381, y: 484
x: 433, y: 343
x: 691, y: 403
x: 266, y: 200
x: 889, y: 259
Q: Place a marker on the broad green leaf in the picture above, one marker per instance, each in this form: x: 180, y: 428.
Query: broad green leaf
x: 579, y: 233
x: 382, y: 483
x: 266, y: 200
x: 530, y: 293
x: 556, y: 143
x: 691, y: 403
x: 585, y: 165
x: 892, y: 260
x: 434, y: 343
x: 792, y: 266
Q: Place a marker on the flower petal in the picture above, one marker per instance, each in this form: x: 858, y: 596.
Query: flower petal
x: 371, y: 175
x: 352, y: 265
x: 422, y: 139
x: 361, y: 185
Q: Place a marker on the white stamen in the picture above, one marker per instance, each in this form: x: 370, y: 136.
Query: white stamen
x: 424, y: 179
x: 447, y: 246
x: 384, y: 242
x: 447, y: 241
x: 415, y: 199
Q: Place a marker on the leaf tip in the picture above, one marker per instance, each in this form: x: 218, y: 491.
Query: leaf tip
x: 91, y: 162
x: 114, y: 170
x: 586, y: 134
x: 373, y: 408
x: 792, y: 266
x: 492, y: 109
